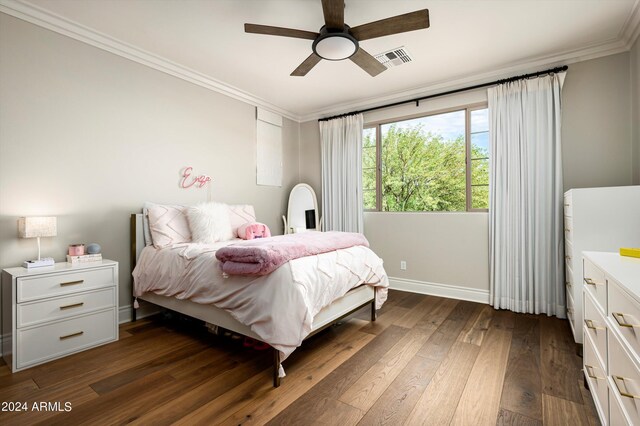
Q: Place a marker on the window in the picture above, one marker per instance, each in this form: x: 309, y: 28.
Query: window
x: 438, y: 162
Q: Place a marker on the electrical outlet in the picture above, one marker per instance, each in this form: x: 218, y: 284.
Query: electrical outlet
x: 403, y: 265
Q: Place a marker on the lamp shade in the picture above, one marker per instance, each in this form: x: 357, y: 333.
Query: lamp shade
x: 32, y: 227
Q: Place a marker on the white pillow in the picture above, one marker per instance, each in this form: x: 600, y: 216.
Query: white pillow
x: 145, y: 222
x: 168, y: 225
x: 239, y: 215
x: 209, y: 222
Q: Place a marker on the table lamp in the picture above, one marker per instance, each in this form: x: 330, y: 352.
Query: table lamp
x: 36, y: 227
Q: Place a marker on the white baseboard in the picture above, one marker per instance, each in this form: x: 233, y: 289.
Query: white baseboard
x: 145, y: 310
x: 442, y: 290
x: 4, y: 338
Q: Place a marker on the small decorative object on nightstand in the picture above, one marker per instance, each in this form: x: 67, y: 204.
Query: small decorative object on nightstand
x: 36, y: 227
x: 52, y: 312
x: 94, y: 248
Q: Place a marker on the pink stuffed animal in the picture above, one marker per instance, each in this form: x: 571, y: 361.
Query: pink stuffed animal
x: 252, y: 230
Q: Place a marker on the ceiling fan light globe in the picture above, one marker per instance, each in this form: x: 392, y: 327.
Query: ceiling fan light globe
x: 335, y: 47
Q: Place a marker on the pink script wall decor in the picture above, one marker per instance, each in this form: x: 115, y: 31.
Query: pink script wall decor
x: 188, y: 180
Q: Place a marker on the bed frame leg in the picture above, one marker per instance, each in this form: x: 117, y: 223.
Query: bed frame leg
x: 276, y: 368
x: 133, y: 310
x: 373, y: 310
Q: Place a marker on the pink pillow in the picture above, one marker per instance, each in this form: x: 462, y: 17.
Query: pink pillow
x: 249, y: 231
x: 239, y: 215
x: 168, y: 225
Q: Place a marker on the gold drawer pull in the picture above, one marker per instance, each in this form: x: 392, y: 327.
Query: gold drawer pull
x: 625, y: 394
x: 618, y: 316
x: 568, y: 284
x: 570, y: 311
x: 75, y: 305
x: 590, y: 281
x: 590, y: 373
x: 69, y: 336
x: 71, y: 283
x: 590, y: 325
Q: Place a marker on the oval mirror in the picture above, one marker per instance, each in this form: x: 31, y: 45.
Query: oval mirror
x: 302, y: 214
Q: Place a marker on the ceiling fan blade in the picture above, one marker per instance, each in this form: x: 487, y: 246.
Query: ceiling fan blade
x: 279, y: 31
x: 367, y: 62
x: 333, y: 14
x: 397, y: 24
x: 306, y: 65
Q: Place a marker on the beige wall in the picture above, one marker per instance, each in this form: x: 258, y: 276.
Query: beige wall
x: 452, y: 248
x: 88, y: 136
x: 440, y: 248
x: 310, y: 166
x: 635, y: 109
x: 596, y: 123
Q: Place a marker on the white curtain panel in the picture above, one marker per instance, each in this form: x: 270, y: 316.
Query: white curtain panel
x: 341, y: 139
x: 526, y: 196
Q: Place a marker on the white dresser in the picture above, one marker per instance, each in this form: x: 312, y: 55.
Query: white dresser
x: 51, y: 312
x: 612, y: 335
x: 597, y: 219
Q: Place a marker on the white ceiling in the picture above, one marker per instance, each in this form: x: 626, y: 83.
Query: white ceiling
x: 469, y: 40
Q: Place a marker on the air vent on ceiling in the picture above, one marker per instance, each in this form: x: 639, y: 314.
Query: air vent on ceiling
x: 394, y: 57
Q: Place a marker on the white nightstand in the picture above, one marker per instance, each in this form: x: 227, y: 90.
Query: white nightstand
x: 51, y: 312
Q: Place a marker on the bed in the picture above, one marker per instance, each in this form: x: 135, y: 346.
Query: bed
x: 315, y: 292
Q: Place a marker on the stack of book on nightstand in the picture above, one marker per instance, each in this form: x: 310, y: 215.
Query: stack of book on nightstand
x: 84, y: 258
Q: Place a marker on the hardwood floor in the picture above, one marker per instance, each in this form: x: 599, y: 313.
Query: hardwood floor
x: 426, y: 360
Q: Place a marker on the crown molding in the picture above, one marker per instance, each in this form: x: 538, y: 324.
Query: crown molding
x: 631, y: 28
x: 622, y: 43
x: 51, y: 21
x: 629, y: 33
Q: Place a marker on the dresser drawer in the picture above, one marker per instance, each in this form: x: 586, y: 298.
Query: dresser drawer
x: 40, y: 287
x: 624, y: 314
x: 39, y: 344
x: 63, y: 307
x: 616, y: 415
x: 595, y: 283
x: 596, y: 376
x: 568, y: 251
x: 624, y: 379
x: 571, y: 312
x: 568, y: 228
x: 569, y: 282
x: 568, y: 205
x: 596, y: 327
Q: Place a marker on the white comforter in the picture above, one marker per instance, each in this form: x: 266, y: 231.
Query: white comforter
x: 278, y: 307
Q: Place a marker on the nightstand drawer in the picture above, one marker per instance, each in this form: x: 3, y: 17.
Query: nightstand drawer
x: 40, y: 344
x: 64, y: 307
x: 40, y: 287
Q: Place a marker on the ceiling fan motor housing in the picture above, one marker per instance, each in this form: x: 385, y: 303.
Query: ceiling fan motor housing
x: 335, y: 45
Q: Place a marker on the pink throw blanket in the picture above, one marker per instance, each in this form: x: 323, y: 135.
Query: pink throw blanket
x: 264, y: 255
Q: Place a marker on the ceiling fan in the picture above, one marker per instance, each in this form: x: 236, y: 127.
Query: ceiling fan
x: 337, y: 41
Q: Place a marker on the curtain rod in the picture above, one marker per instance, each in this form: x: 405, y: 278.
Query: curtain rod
x: 451, y: 92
